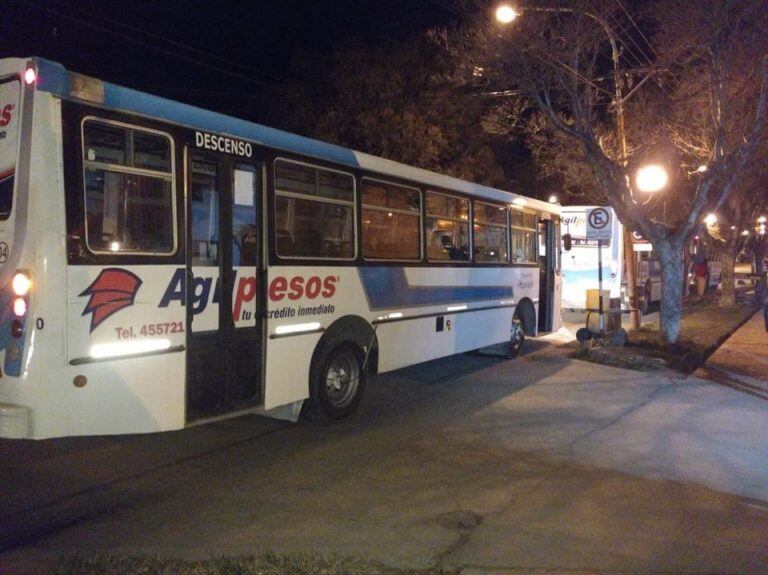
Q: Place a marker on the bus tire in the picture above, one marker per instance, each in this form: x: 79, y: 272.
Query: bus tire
x: 516, y: 338
x: 337, y: 382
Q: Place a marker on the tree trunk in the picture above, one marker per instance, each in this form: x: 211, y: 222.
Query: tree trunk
x: 672, y: 268
x: 727, y: 279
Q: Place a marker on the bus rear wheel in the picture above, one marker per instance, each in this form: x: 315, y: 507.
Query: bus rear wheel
x: 337, y: 381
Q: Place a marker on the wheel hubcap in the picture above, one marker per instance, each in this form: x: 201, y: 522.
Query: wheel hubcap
x: 342, y: 379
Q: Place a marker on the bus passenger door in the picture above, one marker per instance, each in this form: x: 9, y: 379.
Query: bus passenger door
x: 223, y: 296
x: 547, y: 251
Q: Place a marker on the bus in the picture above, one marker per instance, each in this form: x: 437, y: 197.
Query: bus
x: 580, y: 263
x: 580, y: 267
x: 162, y: 265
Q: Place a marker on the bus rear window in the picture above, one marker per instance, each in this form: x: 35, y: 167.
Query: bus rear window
x: 129, y: 198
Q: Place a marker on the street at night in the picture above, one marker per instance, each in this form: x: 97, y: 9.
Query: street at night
x: 408, y: 287
x: 543, y: 464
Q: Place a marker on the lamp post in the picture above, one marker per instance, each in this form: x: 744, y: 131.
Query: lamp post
x: 505, y: 14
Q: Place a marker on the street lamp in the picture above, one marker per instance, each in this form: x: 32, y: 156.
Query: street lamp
x: 651, y: 178
x: 711, y: 219
x: 505, y: 14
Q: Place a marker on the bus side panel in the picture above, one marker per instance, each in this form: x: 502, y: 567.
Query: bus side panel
x: 303, y: 295
x: 440, y: 336
x: 114, y: 312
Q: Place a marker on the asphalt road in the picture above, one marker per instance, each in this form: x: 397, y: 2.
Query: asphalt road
x: 541, y: 463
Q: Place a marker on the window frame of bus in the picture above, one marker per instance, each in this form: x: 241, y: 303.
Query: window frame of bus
x: 171, y: 176
x: 469, y: 260
x: 278, y: 193
x: 534, y: 229
x: 505, y: 226
x: 420, y: 214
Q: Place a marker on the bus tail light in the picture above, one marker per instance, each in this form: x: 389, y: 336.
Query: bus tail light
x: 30, y: 76
x: 19, y: 307
x: 21, y: 284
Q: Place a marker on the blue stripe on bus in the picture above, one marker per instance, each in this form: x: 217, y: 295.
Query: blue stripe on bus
x: 387, y: 287
x: 53, y: 78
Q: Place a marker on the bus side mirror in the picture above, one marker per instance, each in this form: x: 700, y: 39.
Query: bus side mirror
x: 567, y: 242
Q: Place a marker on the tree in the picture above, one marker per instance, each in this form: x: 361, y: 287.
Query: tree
x: 393, y: 100
x: 730, y: 231
x: 706, y: 101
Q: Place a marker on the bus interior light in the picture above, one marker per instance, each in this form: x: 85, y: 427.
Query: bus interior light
x: 19, y: 307
x: 30, y: 76
x: 21, y: 283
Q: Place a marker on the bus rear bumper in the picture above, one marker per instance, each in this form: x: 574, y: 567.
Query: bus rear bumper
x: 14, y: 421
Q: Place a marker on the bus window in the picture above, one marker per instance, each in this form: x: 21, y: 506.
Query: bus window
x: 314, y: 212
x: 391, y: 221
x: 129, y: 200
x: 523, y: 236
x: 204, y: 214
x: 490, y: 229
x: 244, y: 209
x: 447, y: 227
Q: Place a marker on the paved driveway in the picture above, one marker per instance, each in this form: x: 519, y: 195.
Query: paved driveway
x: 539, y: 463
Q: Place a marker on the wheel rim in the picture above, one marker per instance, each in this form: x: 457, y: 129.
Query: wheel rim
x: 518, y: 336
x: 342, y: 378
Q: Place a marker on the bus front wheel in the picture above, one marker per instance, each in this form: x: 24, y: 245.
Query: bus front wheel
x: 516, y: 339
x: 337, y: 381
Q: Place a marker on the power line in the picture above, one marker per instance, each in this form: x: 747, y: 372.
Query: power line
x: 169, y: 41
x: 642, y: 34
x: 40, y: 4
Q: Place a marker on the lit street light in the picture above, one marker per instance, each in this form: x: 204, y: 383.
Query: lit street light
x: 552, y: 199
x: 651, y: 178
x: 505, y: 14
x: 710, y: 220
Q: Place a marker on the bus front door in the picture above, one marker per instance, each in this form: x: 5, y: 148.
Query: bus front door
x: 547, y: 251
x: 223, y: 295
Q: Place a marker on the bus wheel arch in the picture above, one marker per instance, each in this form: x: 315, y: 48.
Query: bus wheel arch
x: 338, y: 371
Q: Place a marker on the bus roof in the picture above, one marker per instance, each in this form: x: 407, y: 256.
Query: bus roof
x: 55, y: 79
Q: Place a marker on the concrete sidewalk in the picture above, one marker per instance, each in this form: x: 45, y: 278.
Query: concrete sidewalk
x: 742, y: 361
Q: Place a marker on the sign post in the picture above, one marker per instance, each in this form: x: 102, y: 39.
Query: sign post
x: 599, y: 228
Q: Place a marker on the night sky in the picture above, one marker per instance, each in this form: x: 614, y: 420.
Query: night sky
x: 218, y: 54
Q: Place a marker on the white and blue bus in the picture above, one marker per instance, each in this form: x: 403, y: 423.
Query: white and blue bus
x: 580, y: 263
x: 162, y: 265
